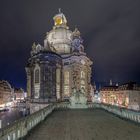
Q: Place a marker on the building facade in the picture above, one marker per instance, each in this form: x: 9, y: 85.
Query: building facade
x: 18, y: 94
x: 126, y: 95
x: 130, y: 93
x: 5, y: 93
x: 43, y: 74
x: 64, y: 64
x: 109, y: 95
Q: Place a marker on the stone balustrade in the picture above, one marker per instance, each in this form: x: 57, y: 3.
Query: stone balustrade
x: 121, y: 112
x: 63, y: 105
x: 21, y: 127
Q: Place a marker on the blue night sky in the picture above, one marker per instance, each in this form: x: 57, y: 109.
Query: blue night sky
x: 110, y: 29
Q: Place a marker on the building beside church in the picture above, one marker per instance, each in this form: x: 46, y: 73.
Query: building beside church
x: 9, y: 95
x: 5, y: 93
x: 126, y: 95
x: 59, y: 66
x: 18, y: 94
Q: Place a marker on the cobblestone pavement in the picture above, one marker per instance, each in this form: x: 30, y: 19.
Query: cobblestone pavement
x: 84, y: 125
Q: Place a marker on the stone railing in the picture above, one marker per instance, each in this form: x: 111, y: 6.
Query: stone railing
x: 62, y: 105
x: 121, y: 112
x: 21, y: 127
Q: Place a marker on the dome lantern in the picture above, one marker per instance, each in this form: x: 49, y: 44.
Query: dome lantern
x: 60, y: 19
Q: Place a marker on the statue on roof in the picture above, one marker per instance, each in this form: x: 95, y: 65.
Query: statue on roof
x: 36, y: 48
x: 33, y: 51
x: 33, y: 46
x: 76, y: 33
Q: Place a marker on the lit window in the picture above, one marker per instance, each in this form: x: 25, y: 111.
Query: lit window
x: 66, y: 90
x: 82, y: 74
x: 66, y: 77
x: 66, y: 82
x: 58, y: 83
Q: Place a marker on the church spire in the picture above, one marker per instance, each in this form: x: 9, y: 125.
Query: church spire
x: 59, y: 10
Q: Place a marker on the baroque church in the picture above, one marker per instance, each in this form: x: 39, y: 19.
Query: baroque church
x: 58, y: 67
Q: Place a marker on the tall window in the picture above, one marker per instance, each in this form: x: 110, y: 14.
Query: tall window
x: 66, y: 77
x: 66, y: 82
x: 82, y: 74
x: 58, y: 74
x: 83, y: 79
x: 37, y: 76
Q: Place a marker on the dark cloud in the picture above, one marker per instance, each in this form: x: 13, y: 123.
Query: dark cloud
x: 110, y: 30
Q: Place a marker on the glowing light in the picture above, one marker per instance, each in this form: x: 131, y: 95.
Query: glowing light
x: 58, y: 20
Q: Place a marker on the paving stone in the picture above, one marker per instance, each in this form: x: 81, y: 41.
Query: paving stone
x: 89, y: 124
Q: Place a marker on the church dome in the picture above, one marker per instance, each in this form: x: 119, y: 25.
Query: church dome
x: 59, y: 38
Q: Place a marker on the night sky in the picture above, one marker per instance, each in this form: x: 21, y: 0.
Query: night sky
x: 110, y: 29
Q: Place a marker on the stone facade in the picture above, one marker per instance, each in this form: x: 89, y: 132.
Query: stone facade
x: 64, y: 58
x: 42, y: 71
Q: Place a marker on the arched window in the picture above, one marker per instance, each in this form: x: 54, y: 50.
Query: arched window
x: 37, y: 76
x: 58, y: 78
x: 82, y: 74
x: 66, y: 82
